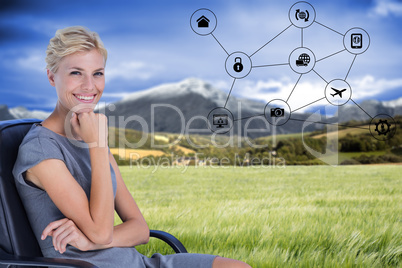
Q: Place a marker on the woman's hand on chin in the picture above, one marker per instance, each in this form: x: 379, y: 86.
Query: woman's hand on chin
x: 91, y: 127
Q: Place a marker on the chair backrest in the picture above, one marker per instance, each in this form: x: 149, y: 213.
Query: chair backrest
x: 16, y: 236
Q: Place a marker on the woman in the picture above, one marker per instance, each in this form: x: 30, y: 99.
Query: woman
x: 69, y: 181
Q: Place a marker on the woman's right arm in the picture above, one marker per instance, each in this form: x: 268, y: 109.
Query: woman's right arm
x: 95, y: 218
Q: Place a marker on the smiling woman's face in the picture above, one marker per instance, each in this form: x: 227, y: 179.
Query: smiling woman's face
x: 79, y: 81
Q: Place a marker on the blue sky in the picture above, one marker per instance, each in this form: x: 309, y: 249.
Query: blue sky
x: 151, y: 42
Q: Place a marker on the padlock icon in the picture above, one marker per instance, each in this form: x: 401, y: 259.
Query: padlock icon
x: 238, y: 66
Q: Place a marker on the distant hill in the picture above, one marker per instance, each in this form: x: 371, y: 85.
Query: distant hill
x: 5, y: 113
x: 190, y: 101
x: 351, y: 112
x: 170, y: 107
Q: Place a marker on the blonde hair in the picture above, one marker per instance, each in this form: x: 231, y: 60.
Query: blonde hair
x: 70, y: 40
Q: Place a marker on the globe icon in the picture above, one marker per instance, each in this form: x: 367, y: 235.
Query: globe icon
x: 305, y: 58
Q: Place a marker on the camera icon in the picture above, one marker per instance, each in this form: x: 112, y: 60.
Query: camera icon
x: 277, y: 112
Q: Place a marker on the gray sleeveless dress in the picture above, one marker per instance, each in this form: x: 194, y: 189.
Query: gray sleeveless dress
x: 41, y: 143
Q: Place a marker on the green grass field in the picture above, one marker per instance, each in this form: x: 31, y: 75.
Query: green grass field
x: 320, y: 216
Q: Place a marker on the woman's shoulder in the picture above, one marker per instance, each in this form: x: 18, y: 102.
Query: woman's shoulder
x: 38, y: 132
x: 39, y: 140
x: 37, y: 145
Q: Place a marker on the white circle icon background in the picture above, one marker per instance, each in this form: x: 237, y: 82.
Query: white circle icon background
x: 338, y: 92
x: 220, y: 120
x: 302, y: 60
x: 277, y: 112
x: 234, y: 60
x: 356, y: 41
x: 302, y: 14
x: 203, y: 21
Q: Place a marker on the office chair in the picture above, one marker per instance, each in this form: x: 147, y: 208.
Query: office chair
x: 18, y: 245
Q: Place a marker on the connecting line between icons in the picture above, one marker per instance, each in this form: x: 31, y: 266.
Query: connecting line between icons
x: 351, y: 67
x: 302, y: 61
x: 219, y: 43
x: 243, y: 118
x: 269, y: 65
x: 331, y: 55
x: 271, y: 40
x: 326, y: 123
x: 227, y: 99
x: 308, y: 104
x: 361, y: 108
x: 320, y: 76
x: 329, y: 28
x: 294, y: 87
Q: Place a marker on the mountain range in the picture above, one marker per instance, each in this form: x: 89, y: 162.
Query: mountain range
x: 184, y: 106
x: 20, y: 112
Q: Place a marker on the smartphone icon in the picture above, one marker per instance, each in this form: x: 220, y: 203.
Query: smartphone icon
x: 356, y: 40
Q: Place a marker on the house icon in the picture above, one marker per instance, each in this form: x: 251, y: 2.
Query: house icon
x: 203, y: 22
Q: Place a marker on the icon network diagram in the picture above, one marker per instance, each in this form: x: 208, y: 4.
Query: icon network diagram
x: 302, y: 61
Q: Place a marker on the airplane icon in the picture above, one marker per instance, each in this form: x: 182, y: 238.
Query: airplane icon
x: 337, y: 92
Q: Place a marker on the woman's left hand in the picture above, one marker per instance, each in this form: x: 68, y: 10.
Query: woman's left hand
x: 65, y: 232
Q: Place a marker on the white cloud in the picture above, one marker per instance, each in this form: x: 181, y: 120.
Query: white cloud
x: 369, y: 86
x: 307, y: 92
x: 34, y: 61
x: 296, y: 95
x: 385, y: 7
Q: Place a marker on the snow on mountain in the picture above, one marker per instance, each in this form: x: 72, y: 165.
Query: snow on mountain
x: 22, y: 112
x: 393, y: 103
x: 195, y: 87
x: 186, y: 104
x: 171, y: 90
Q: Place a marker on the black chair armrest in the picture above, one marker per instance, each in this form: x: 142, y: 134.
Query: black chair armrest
x: 8, y: 259
x: 170, y: 240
